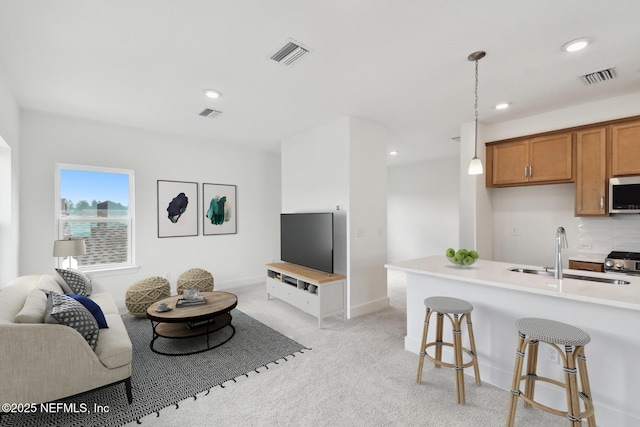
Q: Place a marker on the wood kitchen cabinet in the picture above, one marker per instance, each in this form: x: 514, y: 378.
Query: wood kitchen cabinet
x: 586, y: 265
x: 591, y: 172
x: 541, y: 160
x: 625, y: 149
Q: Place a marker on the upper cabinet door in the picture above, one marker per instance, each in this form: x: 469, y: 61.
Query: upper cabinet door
x: 625, y: 149
x: 591, y: 172
x: 551, y: 158
x: 510, y: 163
x: 541, y: 160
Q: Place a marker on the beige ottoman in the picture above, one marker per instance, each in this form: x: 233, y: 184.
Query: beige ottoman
x: 145, y: 292
x: 195, y: 278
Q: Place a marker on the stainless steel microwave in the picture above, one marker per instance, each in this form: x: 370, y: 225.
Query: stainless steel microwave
x: 624, y: 195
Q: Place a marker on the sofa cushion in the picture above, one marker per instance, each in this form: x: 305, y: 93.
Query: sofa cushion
x: 67, y: 311
x: 114, y: 348
x: 16, y: 292
x: 106, y: 303
x: 93, y: 308
x: 73, y: 281
x: 33, y: 309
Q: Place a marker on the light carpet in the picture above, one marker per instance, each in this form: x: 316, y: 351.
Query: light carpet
x: 358, y: 374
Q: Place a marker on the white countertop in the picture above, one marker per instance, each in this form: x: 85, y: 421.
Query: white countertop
x: 497, y: 274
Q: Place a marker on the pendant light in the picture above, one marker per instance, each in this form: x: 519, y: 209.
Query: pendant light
x: 475, y: 167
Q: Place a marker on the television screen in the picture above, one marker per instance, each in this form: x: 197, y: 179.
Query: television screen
x: 307, y: 239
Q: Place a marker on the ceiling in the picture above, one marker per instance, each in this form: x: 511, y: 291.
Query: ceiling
x: 401, y: 64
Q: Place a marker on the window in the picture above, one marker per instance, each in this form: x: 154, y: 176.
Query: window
x: 96, y: 204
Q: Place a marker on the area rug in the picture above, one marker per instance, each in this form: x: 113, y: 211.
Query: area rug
x: 160, y: 381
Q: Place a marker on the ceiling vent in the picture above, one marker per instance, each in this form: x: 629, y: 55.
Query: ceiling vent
x: 599, y: 76
x: 290, y: 53
x: 208, y: 112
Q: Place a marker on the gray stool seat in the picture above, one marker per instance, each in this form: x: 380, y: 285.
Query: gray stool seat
x: 569, y: 342
x: 448, y: 305
x: 550, y: 331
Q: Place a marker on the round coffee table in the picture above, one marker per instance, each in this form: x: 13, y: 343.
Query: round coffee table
x: 193, y: 320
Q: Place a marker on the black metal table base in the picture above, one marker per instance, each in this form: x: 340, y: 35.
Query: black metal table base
x: 207, y: 330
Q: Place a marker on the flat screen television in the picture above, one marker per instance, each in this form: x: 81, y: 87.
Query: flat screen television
x: 307, y: 239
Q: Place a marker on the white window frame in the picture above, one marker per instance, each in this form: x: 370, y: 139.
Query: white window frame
x: 130, y: 219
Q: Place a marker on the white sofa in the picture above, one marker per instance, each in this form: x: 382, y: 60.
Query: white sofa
x: 42, y: 362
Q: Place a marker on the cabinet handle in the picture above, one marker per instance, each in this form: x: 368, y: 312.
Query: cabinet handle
x: 530, y: 171
x: 601, y: 202
x: 525, y: 171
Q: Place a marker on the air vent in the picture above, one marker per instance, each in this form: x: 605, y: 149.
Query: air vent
x: 208, y: 112
x: 290, y: 53
x: 599, y: 76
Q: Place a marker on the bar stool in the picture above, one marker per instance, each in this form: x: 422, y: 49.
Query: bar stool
x: 452, y: 308
x: 531, y: 332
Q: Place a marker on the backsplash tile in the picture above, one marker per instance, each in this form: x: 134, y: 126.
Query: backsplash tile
x: 614, y: 233
x: 626, y: 233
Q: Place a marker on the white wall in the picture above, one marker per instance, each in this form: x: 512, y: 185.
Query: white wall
x: 423, y: 207
x: 367, y: 217
x: 475, y: 206
x: 536, y: 211
x: 9, y: 174
x: 315, y: 178
x: 233, y: 259
x: 344, y: 163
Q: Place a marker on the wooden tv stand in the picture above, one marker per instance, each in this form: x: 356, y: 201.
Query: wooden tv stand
x: 290, y: 283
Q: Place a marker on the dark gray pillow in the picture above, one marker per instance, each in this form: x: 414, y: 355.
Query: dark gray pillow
x: 67, y: 311
x: 73, y: 281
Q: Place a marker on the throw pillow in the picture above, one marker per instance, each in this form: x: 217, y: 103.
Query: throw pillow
x: 73, y: 281
x: 67, y: 311
x: 33, y: 309
x: 93, y: 308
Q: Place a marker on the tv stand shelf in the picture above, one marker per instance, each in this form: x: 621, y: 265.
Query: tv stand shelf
x: 294, y: 284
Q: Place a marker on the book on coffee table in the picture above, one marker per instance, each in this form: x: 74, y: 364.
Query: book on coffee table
x: 183, y: 302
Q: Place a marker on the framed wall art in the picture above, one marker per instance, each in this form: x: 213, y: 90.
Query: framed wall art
x: 219, y: 209
x: 177, y: 208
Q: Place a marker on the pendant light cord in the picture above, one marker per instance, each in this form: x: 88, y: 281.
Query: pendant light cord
x: 476, y: 110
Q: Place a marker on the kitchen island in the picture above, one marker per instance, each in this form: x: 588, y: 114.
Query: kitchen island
x: 609, y: 313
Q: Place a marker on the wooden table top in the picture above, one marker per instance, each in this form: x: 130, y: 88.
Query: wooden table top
x: 216, y: 303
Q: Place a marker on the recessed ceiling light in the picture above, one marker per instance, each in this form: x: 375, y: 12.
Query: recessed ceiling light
x: 211, y: 93
x: 576, y: 45
x: 502, y: 106
x: 393, y: 153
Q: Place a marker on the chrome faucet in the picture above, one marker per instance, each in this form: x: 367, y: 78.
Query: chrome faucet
x: 561, y: 242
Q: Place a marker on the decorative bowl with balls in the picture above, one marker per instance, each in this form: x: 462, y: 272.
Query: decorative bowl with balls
x: 462, y: 257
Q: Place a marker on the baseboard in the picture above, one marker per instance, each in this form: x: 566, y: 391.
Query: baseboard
x: 239, y: 283
x: 370, y: 307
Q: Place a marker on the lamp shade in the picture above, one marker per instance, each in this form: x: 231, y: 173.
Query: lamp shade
x: 71, y: 247
x: 475, y: 166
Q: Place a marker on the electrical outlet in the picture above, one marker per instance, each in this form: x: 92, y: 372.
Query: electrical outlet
x: 514, y: 231
x: 551, y: 355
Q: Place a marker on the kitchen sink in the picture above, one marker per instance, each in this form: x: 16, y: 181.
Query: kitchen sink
x: 549, y: 272
x: 542, y: 272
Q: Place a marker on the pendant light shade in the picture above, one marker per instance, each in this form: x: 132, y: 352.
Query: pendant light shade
x: 475, y: 167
